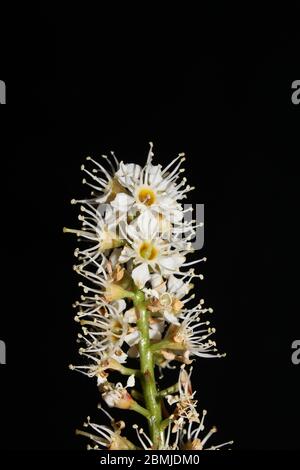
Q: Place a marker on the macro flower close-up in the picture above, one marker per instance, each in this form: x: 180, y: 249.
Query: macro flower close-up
x: 149, y: 161
x: 138, y: 311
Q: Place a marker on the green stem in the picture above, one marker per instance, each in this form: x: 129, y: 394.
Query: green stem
x: 137, y: 395
x: 165, y: 423
x: 140, y: 409
x: 169, y: 390
x: 127, y: 371
x: 166, y: 344
x: 147, y: 371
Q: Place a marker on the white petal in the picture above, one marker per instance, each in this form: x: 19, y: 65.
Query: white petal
x: 171, y: 263
x: 122, y: 202
x: 170, y: 317
x: 177, y: 216
x: 150, y: 293
x: 174, y: 284
x: 109, y: 399
x: 130, y: 315
x: 165, y: 226
x: 126, y: 254
x: 140, y: 275
x: 119, y: 305
x: 114, y: 257
x: 172, y: 399
x: 158, y: 283
x: 154, y: 175
x: 148, y: 225
x: 184, y: 290
x: 121, y: 357
x: 101, y: 380
x: 155, y: 334
x: 128, y: 174
x: 132, y: 233
x: 130, y: 381
x: 132, y: 338
x: 166, y: 201
x: 110, y: 219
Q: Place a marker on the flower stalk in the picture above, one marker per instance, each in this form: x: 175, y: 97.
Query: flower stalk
x: 147, y: 372
x: 168, y: 391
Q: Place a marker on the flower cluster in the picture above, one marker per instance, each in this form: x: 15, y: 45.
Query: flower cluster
x: 136, y: 300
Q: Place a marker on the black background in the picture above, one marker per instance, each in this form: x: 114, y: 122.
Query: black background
x: 214, y: 84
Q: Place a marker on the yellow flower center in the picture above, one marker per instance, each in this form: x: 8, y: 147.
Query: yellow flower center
x: 148, y: 251
x: 146, y: 196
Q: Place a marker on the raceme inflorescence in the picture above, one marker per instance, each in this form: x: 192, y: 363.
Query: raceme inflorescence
x: 135, y: 309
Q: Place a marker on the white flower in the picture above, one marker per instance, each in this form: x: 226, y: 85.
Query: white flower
x: 104, y: 282
x: 98, y: 230
x: 105, y: 336
x: 185, y: 410
x: 101, y: 180
x: 184, y: 387
x: 191, y: 439
x: 167, y: 295
x: 149, y: 252
x: 192, y: 336
x: 99, y: 368
x: 152, y: 188
x: 147, y: 444
x: 106, y: 437
x: 105, y: 330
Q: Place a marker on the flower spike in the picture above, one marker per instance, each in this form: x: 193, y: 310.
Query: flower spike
x: 137, y: 303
